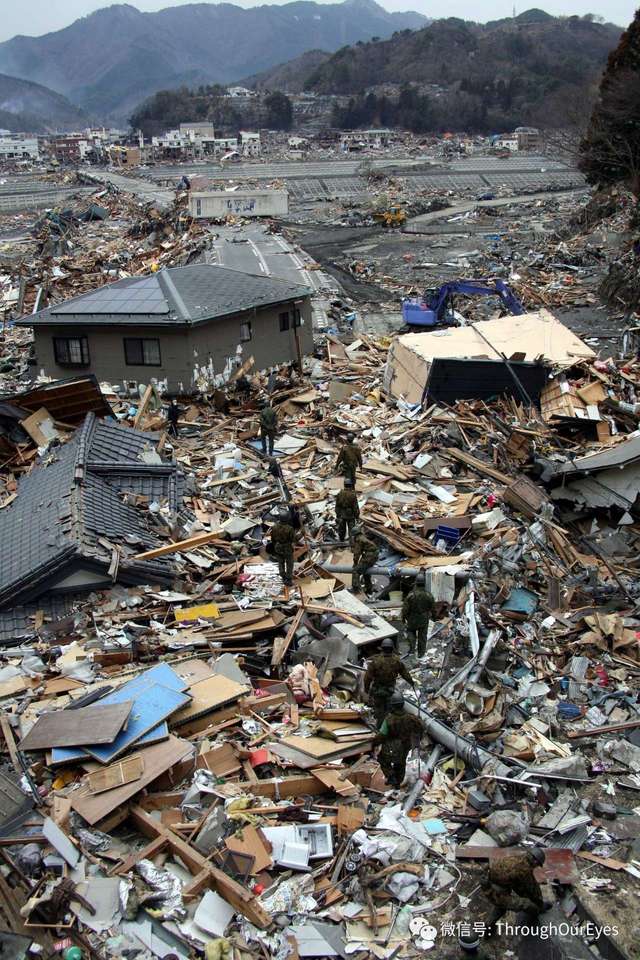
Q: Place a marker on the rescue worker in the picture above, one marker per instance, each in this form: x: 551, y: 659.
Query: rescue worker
x: 243, y: 387
x: 282, y: 539
x: 399, y: 733
x: 417, y: 609
x: 380, y: 679
x: 173, y: 416
x: 268, y: 427
x: 349, y: 458
x: 365, y: 555
x: 347, y: 509
x: 511, y: 885
x: 220, y: 401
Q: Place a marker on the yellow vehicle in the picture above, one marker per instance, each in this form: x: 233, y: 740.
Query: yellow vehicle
x: 391, y: 217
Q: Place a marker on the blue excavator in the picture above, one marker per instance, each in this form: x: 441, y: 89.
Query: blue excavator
x: 435, y: 309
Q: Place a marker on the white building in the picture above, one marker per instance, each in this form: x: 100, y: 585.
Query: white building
x: 15, y: 146
x: 507, y: 141
x: 250, y: 143
x: 240, y: 92
x: 219, y: 204
x: 198, y: 130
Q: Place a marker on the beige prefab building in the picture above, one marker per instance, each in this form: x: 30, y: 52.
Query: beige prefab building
x: 529, y: 337
x: 218, y: 204
x: 182, y: 327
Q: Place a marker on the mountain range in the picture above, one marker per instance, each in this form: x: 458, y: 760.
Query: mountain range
x: 30, y: 106
x: 109, y: 61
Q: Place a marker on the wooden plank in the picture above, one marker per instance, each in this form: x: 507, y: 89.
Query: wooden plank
x: 157, y: 759
x: 280, y: 646
x: 282, y: 788
x: 76, y: 728
x: 116, y: 775
x: 179, y: 545
x: 9, y: 739
x: 144, y: 403
x: 320, y: 749
x: 333, y: 780
x: 485, y: 469
x: 208, y: 695
x: 205, y: 875
x: 251, y: 841
x: 606, y: 728
x: 349, y: 819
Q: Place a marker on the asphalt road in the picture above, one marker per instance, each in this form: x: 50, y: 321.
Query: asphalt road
x: 251, y: 249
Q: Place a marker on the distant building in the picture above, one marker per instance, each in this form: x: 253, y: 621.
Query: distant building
x: 359, y: 139
x: 250, y: 143
x: 506, y: 141
x: 199, y: 130
x: 18, y: 147
x: 529, y: 138
x: 239, y: 92
x: 175, y: 326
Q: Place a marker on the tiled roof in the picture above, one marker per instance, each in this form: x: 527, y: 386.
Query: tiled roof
x: 175, y: 296
x: 73, y: 500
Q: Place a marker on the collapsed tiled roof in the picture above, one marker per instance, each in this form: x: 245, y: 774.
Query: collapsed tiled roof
x: 71, y: 511
x: 174, y: 296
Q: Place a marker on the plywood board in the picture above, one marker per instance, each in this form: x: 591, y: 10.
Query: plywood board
x: 208, y: 695
x: 116, y: 774
x: 318, y: 747
x: 74, y: 728
x: 61, y: 755
x: 152, y: 704
x: 40, y: 427
x: 251, y: 841
x: 157, y: 760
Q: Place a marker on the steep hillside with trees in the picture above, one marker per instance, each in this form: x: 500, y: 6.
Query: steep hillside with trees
x: 468, y: 76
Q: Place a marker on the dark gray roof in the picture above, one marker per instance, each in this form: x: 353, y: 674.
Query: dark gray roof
x: 621, y: 455
x: 175, y: 296
x: 74, y: 500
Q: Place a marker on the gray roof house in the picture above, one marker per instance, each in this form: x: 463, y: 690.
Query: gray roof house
x: 174, y: 326
x: 74, y: 527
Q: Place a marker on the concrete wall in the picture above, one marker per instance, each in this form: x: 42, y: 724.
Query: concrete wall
x: 182, y: 352
x: 246, y: 203
x: 213, y: 344
x: 106, y: 353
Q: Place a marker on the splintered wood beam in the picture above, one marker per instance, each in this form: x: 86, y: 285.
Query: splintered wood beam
x: 198, y: 541
x: 205, y: 876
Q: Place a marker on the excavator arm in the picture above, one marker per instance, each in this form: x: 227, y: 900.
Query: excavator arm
x: 431, y: 311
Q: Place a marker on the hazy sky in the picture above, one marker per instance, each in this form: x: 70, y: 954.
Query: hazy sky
x: 34, y: 17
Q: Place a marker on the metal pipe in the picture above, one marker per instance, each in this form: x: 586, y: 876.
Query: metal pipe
x: 473, y: 755
x: 399, y: 569
x: 424, y: 779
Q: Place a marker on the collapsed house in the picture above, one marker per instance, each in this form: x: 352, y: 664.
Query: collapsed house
x: 74, y: 525
x: 420, y: 365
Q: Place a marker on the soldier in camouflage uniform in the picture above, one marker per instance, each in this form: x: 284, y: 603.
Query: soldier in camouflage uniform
x: 347, y: 509
x: 417, y: 609
x: 349, y: 459
x: 365, y: 555
x: 511, y: 884
x: 380, y: 679
x: 268, y: 427
x: 398, y: 734
x: 282, y: 539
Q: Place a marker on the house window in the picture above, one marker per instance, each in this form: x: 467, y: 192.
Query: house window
x: 297, y: 318
x: 140, y: 352
x: 71, y: 351
x: 245, y: 331
x: 284, y: 321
